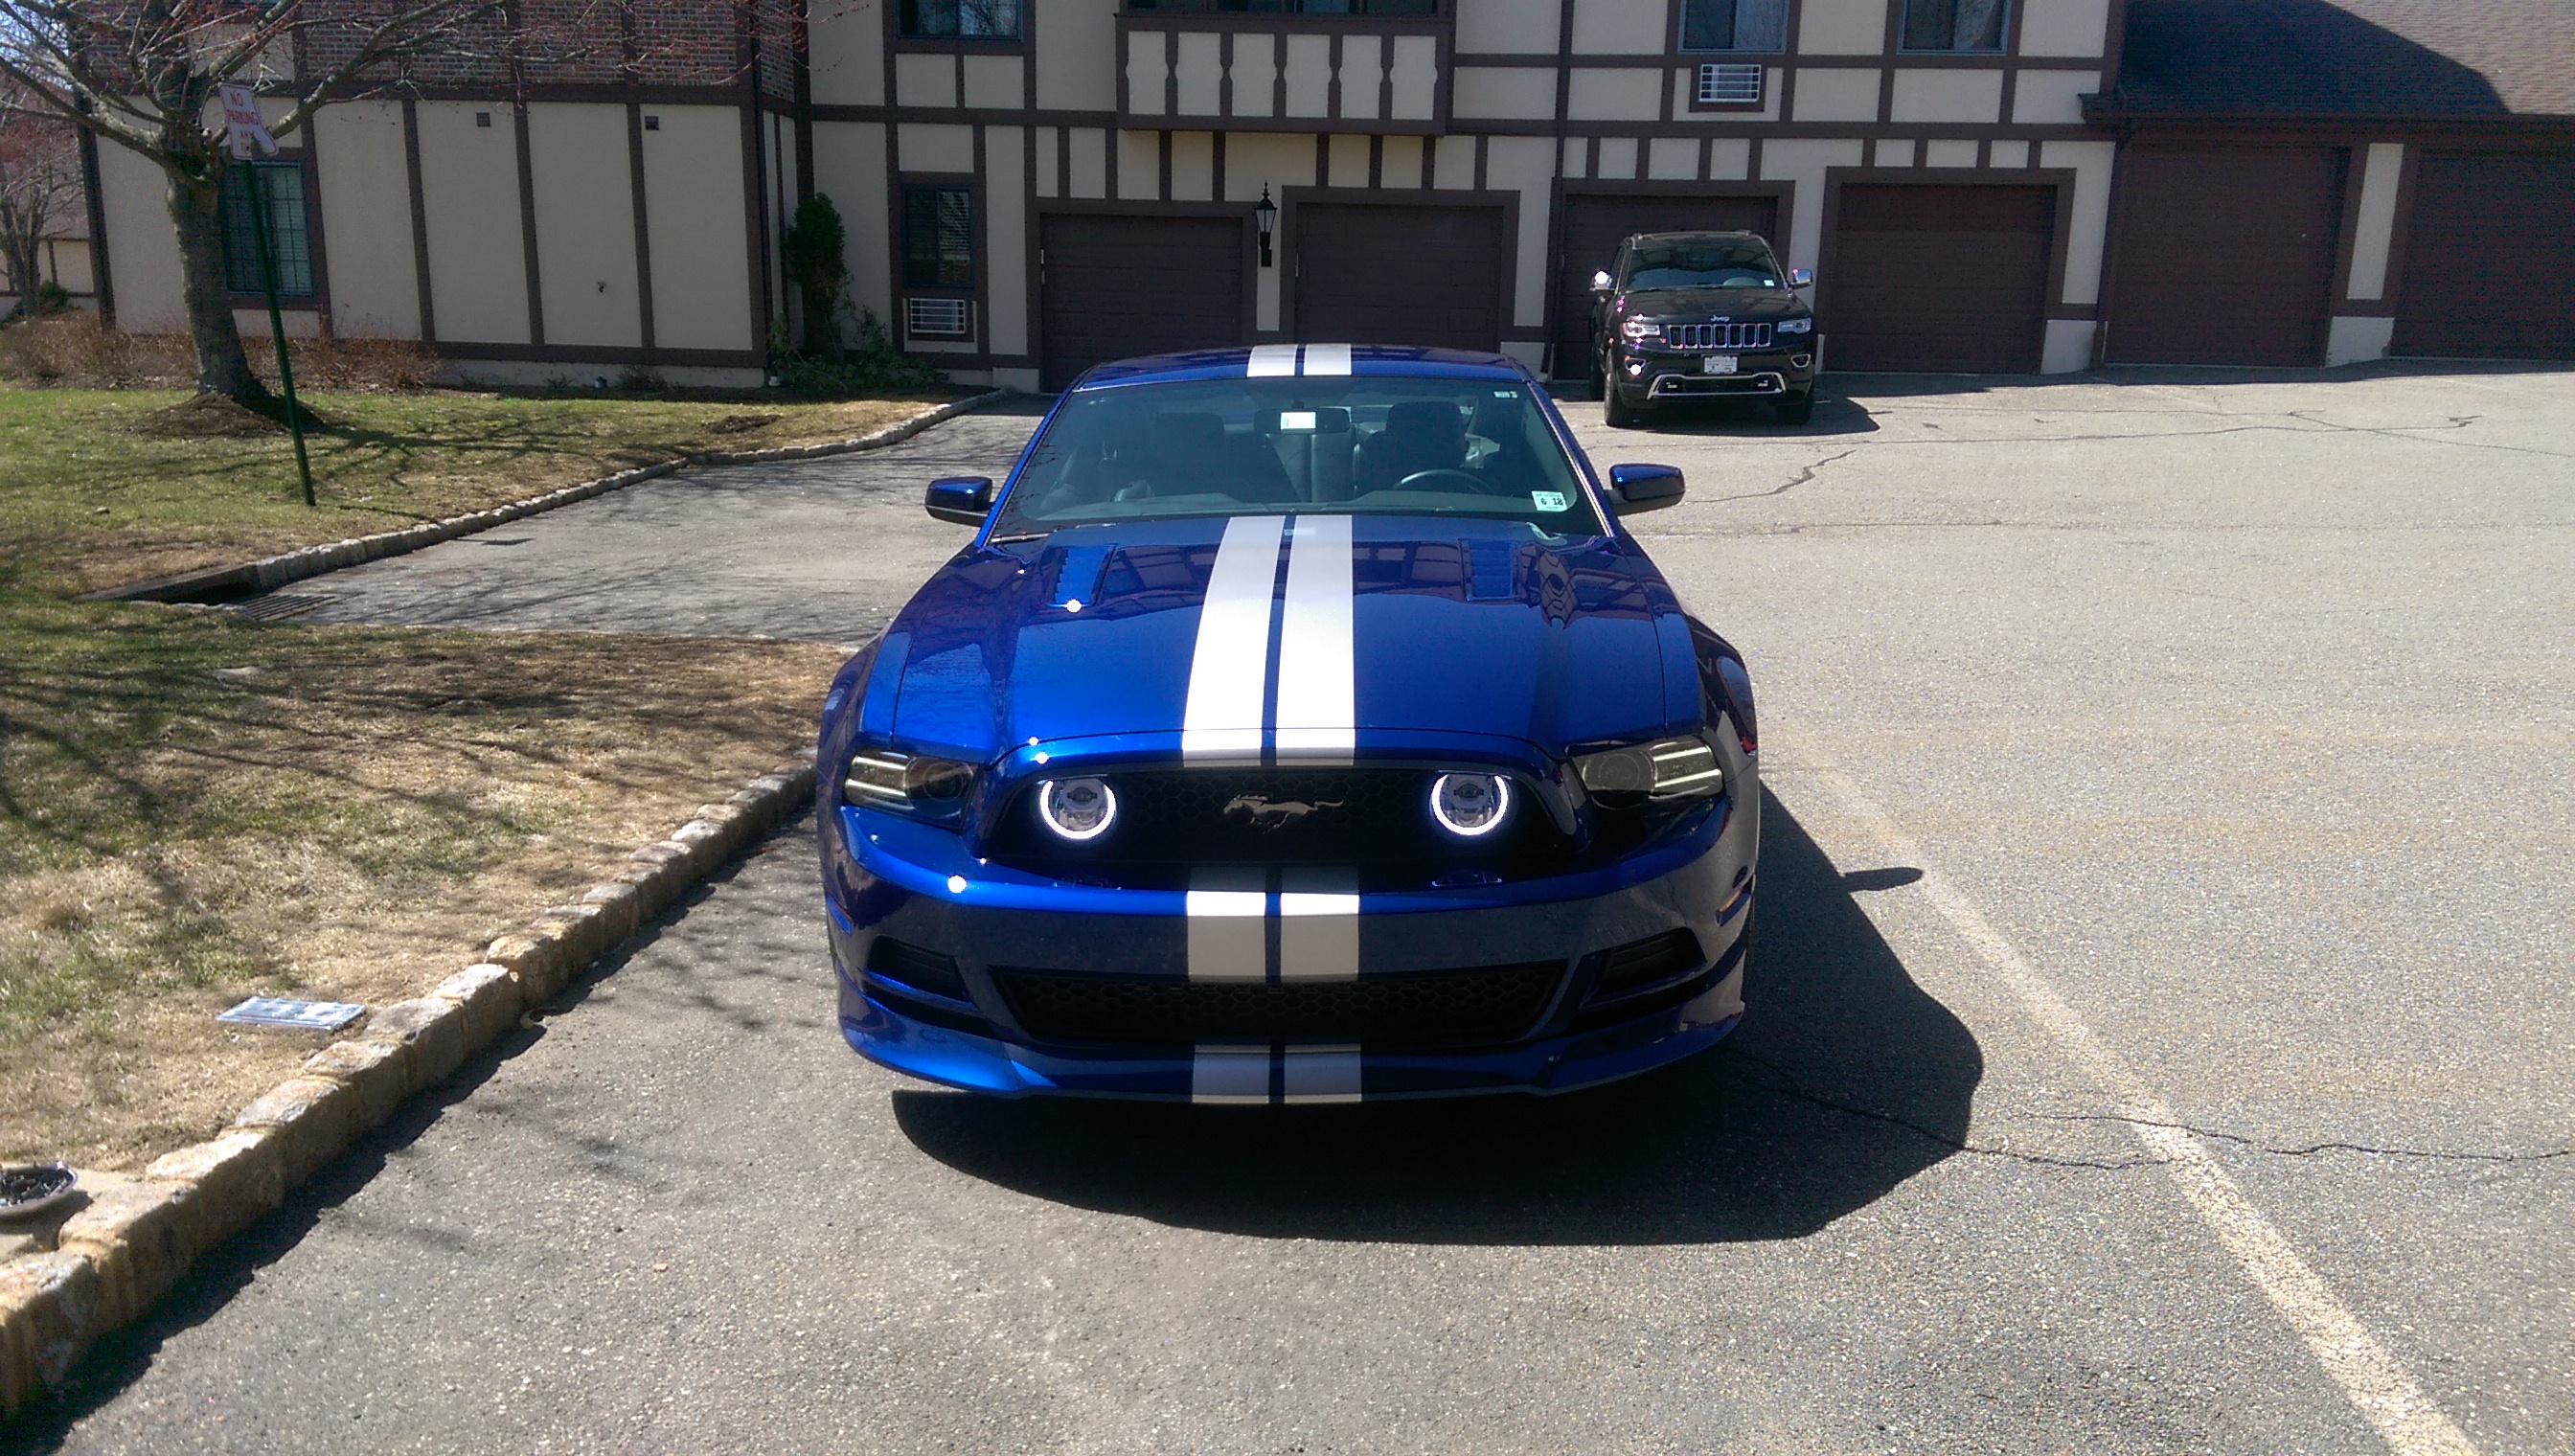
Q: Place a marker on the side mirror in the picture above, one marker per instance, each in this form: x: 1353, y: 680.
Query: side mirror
x: 965, y: 500
x: 1801, y: 278
x: 1635, y: 487
x: 1600, y: 283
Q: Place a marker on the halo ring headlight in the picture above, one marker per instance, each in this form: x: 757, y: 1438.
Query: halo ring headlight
x: 1471, y: 806
x: 1078, y: 809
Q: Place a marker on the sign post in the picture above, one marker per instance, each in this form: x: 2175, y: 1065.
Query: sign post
x: 243, y: 130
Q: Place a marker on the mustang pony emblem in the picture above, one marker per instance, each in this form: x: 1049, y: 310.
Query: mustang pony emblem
x: 1259, y: 811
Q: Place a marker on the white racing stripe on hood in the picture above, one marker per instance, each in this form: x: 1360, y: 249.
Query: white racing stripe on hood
x: 1271, y: 360
x: 1230, y: 672
x: 1326, y: 359
x: 1316, y: 713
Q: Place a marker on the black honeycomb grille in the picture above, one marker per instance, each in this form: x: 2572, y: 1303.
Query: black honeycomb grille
x: 1413, y: 1008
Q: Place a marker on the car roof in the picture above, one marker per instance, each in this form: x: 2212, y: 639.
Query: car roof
x: 1364, y: 359
x: 1728, y: 233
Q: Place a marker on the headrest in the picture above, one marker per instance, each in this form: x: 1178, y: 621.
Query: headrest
x: 1189, y: 428
x: 1435, y: 420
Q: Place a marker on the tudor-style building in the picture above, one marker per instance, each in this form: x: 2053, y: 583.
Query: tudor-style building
x: 1033, y: 185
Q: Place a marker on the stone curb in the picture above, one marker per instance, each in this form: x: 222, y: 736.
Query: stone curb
x: 270, y: 572
x: 137, y: 1236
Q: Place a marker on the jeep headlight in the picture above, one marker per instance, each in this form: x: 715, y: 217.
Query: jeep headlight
x: 909, y: 783
x: 1640, y: 329
x: 1804, y: 323
x: 1669, y: 768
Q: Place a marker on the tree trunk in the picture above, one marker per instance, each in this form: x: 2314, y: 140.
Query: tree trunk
x: 222, y: 367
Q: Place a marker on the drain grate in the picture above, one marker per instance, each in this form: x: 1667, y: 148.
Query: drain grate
x: 278, y: 605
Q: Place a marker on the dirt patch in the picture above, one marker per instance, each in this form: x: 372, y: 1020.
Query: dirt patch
x: 740, y: 423
x: 197, y: 811
x: 215, y: 417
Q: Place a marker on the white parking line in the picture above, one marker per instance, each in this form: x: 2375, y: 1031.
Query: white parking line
x: 2370, y: 1377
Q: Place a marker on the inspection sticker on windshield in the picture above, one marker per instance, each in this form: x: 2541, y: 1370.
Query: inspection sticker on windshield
x: 1547, y: 499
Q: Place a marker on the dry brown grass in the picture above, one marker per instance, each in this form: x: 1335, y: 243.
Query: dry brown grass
x: 71, y: 350
x: 193, y: 810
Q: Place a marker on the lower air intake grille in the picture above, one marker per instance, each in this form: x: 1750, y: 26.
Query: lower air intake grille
x: 925, y: 970
x: 1414, y: 1008
x: 1643, y: 962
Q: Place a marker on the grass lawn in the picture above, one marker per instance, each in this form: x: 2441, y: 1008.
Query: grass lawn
x: 193, y: 809
x: 95, y: 493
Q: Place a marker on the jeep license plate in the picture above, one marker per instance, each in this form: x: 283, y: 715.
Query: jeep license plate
x: 1717, y: 364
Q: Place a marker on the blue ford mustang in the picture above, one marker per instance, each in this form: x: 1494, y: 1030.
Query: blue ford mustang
x: 1299, y: 727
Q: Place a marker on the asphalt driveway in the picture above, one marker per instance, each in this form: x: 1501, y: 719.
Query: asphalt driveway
x: 2159, y: 1037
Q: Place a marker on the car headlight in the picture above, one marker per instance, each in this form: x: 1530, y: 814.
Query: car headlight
x: 1805, y: 325
x: 1076, y: 809
x: 1639, y: 329
x: 912, y: 783
x: 1471, y: 806
x: 1669, y: 768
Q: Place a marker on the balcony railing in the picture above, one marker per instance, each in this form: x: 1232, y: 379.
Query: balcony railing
x: 1383, y: 69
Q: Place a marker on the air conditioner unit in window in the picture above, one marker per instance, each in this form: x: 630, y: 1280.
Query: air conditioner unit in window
x: 1729, y: 83
x: 939, y: 318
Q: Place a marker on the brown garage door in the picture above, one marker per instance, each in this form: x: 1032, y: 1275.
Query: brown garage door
x: 1596, y: 224
x: 2490, y: 258
x: 1953, y: 279
x: 1399, y: 275
x: 2224, y: 256
x: 1113, y: 287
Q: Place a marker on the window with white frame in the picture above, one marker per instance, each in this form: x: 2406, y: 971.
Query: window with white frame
x: 1955, y: 25
x: 1734, y: 25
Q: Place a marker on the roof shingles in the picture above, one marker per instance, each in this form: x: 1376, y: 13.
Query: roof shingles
x: 2463, y: 59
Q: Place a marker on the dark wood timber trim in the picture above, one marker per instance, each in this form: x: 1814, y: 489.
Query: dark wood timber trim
x: 418, y: 222
x: 527, y: 222
x: 643, y: 230
x: 601, y: 354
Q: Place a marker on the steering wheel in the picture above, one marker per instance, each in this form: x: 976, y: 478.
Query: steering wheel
x: 1474, y: 482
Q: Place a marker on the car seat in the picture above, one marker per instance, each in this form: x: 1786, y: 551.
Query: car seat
x: 1419, y: 435
x: 1193, y: 455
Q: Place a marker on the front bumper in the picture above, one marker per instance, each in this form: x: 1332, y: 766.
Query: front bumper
x: 1653, y: 376
x: 890, y: 878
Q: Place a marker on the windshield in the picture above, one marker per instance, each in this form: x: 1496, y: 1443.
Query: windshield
x: 1743, y: 264
x: 1356, y: 443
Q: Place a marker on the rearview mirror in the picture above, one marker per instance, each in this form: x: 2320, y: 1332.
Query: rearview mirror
x: 1635, y: 487
x: 1600, y: 283
x: 965, y: 500
x: 1801, y: 278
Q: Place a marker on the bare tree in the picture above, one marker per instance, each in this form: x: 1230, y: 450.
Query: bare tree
x: 40, y: 184
x: 143, y: 74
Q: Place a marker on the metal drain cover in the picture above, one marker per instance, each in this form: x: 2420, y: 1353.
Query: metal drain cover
x: 278, y: 605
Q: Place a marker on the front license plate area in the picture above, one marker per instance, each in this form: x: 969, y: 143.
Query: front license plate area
x: 1717, y: 364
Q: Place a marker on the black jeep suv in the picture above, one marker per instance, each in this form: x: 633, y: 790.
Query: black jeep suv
x: 1695, y: 315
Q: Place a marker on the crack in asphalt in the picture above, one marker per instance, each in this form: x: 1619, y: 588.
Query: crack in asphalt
x: 2309, y: 1149
x: 1804, y: 474
x: 1788, y: 1087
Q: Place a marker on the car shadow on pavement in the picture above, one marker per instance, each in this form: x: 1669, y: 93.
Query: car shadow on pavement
x: 1844, y: 1080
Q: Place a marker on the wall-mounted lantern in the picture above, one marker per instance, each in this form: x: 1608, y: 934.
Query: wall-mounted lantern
x: 1265, y: 218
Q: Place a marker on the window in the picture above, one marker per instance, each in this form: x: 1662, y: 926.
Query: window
x: 971, y: 19
x: 1289, y: 7
x: 1734, y: 25
x: 1231, y: 447
x: 283, y: 182
x: 1954, y: 25
x: 937, y: 237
